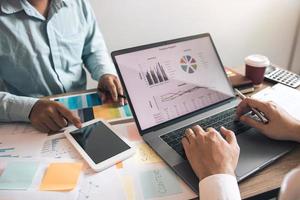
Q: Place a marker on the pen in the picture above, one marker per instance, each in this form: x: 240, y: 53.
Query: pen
x: 122, y: 96
x: 119, y: 95
x: 257, y: 112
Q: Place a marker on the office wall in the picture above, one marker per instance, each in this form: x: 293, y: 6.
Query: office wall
x: 238, y: 27
x: 295, y: 62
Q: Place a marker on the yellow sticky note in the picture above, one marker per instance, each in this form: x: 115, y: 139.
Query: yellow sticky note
x: 106, y: 111
x: 128, y: 186
x: 61, y: 176
x: 146, y: 155
x: 119, y: 165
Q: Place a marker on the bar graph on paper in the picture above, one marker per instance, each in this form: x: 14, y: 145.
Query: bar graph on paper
x: 59, y: 147
x: 8, y: 152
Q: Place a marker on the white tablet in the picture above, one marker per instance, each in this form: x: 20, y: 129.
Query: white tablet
x: 98, y: 144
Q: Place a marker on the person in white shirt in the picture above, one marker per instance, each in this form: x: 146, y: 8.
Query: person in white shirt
x: 214, y: 158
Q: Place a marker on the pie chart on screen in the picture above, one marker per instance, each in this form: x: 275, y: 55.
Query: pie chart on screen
x: 188, y: 64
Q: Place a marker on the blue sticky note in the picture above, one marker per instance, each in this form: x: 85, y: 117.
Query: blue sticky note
x: 18, y: 175
x: 159, y: 183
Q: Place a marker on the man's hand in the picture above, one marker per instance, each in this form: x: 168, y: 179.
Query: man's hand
x: 209, y: 153
x: 281, y: 125
x: 50, y: 116
x: 111, y: 84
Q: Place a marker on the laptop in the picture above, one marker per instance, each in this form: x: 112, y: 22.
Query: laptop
x: 173, y: 85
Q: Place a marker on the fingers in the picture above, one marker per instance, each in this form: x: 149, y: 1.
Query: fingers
x: 242, y: 109
x: 189, y: 134
x: 245, y: 105
x: 41, y: 127
x: 186, y: 147
x: 69, y: 115
x: 112, y: 89
x: 102, y: 95
x: 213, y: 134
x: 198, y: 130
x: 51, y: 124
x: 58, y: 119
x: 251, y: 122
x: 113, y: 85
x: 119, y: 90
x: 229, y: 135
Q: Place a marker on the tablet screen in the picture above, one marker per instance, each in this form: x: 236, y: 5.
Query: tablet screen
x: 99, y: 142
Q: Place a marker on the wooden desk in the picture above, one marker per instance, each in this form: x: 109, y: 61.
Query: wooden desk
x: 271, y: 177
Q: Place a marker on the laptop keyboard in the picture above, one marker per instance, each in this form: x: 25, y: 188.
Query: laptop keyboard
x: 225, y: 118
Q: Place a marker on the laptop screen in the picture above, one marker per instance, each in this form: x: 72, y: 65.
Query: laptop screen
x: 173, y: 80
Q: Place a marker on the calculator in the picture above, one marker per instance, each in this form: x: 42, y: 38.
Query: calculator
x: 279, y: 75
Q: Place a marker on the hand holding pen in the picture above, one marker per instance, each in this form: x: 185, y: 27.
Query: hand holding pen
x: 107, y: 97
x: 281, y: 125
x: 259, y: 114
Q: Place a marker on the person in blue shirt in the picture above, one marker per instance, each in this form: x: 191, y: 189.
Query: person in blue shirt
x: 44, y: 45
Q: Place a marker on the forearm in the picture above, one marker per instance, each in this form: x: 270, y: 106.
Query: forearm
x: 15, y: 108
x: 98, y: 63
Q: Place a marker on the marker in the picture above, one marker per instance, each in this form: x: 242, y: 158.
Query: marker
x: 259, y: 114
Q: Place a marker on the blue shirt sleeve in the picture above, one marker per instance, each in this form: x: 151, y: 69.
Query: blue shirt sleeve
x: 95, y: 55
x: 15, y: 108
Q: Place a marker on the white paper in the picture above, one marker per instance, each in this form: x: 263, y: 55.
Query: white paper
x: 286, y: 97
x: 20, y: 141
x: 59, y: 147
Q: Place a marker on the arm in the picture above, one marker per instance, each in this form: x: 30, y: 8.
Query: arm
x: 290, y: 186
x: 95, y: 55
x: 219, y: 187
x: 97, y: 60
x: 45, y: 115
x: 15, y: 108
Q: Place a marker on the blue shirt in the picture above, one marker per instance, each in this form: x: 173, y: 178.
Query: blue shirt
x: 44, y: 56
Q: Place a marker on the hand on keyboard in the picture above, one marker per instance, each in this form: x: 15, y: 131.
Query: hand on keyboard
x: 209, y: 153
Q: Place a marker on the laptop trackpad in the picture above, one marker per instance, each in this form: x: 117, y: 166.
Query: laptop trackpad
x: 185, y: 171
x: 257, y: 151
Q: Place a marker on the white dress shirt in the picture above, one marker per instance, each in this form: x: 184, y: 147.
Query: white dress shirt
x: 225, y: 187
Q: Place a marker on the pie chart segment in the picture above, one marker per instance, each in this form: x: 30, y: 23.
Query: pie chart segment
x: 188, y: 64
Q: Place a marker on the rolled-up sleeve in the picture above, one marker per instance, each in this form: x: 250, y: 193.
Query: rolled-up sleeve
x: 15, y: 108
x: 95, y: 55
x: 219, y: 187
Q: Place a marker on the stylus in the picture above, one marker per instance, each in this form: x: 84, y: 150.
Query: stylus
x: 257, y: 112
